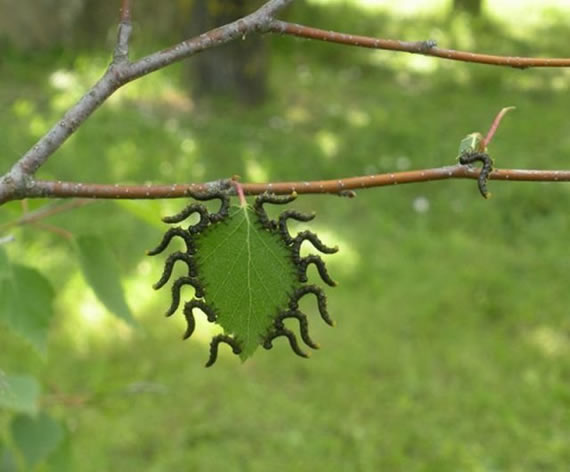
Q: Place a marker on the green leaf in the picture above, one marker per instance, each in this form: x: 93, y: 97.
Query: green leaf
x: 101, y: 271
x: 471, y: 143
x: 62, y: 458
x: 19, y: 393
x: 7, y: 459
x: 36, y: 438
x: 247, y: 273
x: 26, y: 298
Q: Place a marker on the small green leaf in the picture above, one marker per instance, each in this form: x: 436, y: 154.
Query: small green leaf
x: 19, y: 393
x: 25, y: 302
x: 36, y: 438
x: 101, y: 271
x: 248, y: 275
x: 471, y: 143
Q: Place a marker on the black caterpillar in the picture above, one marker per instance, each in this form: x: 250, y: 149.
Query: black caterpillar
x: 279, y: 228
x: 485, y: 159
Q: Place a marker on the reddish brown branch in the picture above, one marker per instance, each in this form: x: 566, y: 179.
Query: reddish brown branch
x: 54, y: 229
x: 422, y: 175
x: 49, y: 189
x: 427, y: 48
x: 125, y: 11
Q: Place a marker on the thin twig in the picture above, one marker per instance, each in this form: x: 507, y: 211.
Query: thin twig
x: 45, y: 211
x: 125, y: 11
x: 427, y: 48
x: 58, y: 189
x: 54, y: 229
x: 495, y: 125
x: 121, y: 54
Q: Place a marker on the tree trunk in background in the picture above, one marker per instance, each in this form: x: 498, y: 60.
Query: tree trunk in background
x: 238, y: 69
x: 96, y: 23
x: 473, y: 7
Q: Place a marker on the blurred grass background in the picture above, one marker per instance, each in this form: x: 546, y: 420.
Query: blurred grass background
x: 452, y: 346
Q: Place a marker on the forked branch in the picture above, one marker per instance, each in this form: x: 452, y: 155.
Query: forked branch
x: 121, y: 71
x: 20, y: 183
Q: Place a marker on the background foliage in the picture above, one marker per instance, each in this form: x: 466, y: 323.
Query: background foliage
x: 452, y: 349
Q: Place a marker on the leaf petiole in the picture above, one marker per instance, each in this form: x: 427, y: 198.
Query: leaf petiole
x: 239, y: 190
x: 495, y: 125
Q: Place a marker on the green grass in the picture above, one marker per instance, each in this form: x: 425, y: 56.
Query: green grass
x: 452, y: 346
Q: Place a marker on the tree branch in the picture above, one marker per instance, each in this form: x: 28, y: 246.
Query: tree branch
x: 344, y: 186
x: 256, y: 22
x: 120, y: 72
x: 121, y: 53
x: 125, y: 11
x: 427, y: 48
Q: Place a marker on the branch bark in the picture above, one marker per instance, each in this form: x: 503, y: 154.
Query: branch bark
x: 426, y: 48
x: 342, y: 186
x: 121, y: 53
